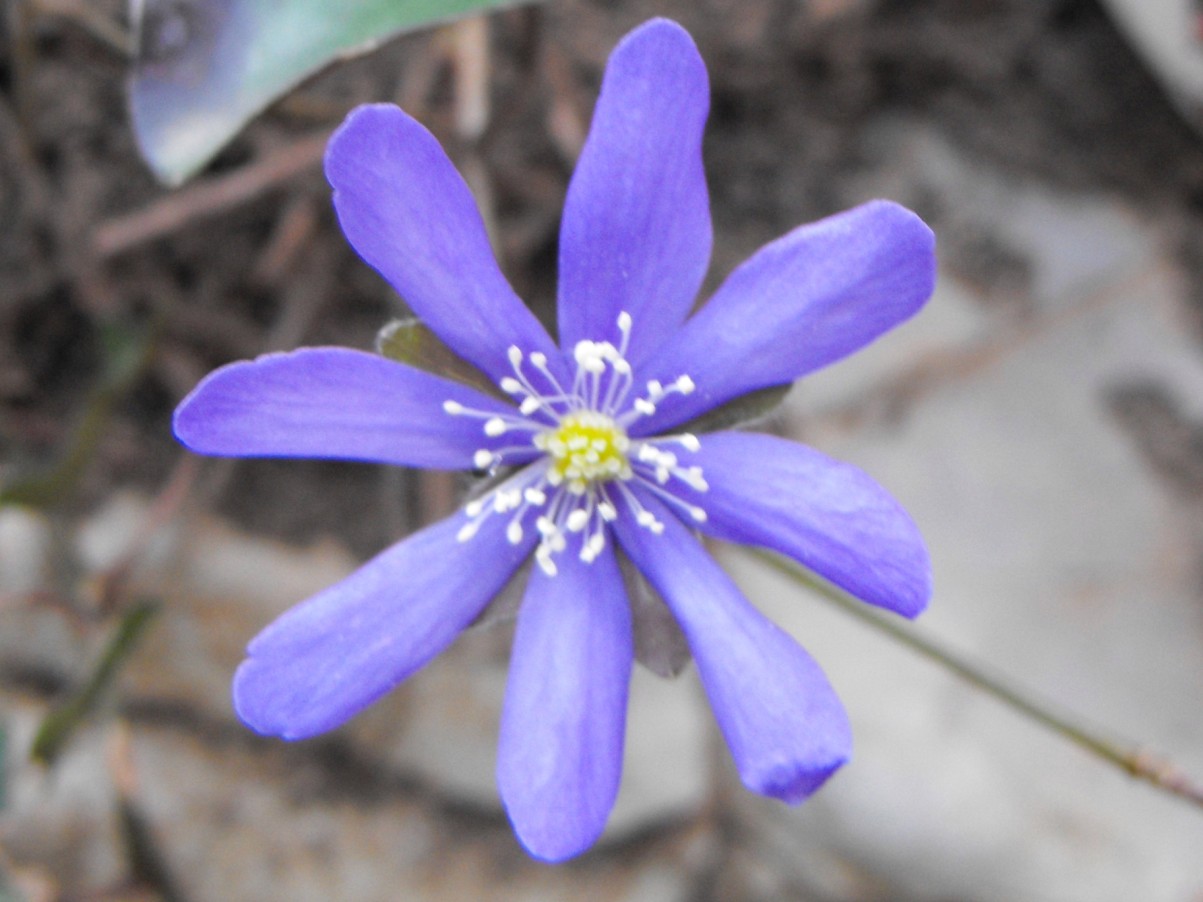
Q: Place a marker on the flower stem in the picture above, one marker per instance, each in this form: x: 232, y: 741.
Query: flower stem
x: 1138, y: 761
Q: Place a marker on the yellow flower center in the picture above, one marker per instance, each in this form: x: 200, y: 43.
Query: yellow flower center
x: 585, y: 447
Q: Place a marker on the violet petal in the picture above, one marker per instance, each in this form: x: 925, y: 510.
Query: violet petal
x: 636, y: 233
x: 559, y: 756
x: 333, y: 403
x: 786, y: 728
x: 801, y: 302
x: 829, y: 516
x: 409, y: 214
x: 331, y: 656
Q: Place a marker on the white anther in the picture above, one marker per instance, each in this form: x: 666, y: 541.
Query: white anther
x: 689, y: 442
x: 539, y: 359
x: 483, y: 459
x: 535, y: 497
x: 495, y: 427
x: 654, y: 388
x: 685, y: 385
x: 583, y: 350
x: 645, y: 518
x: 473, y: 508
x: 510, y: 386
x: 506, y: 500
x: 515, y: 355
x: 529, y: 406
x: 592, y: 548
x: 513, y: 533
x: 578, y: 520
x: 698, y: 514
x: 608, y: 512
x: 645, y: 407
x: 624, y: 322
x: 453, y: 407
x: 467, y: 531
x: 543, y: 559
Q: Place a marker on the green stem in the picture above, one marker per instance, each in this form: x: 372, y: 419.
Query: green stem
x: 1129, y: 756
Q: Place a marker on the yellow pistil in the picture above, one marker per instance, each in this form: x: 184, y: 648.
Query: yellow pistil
x: 585, y: 447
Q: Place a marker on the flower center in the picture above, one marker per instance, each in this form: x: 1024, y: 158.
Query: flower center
x: 587, y: 463
x: 585, y: 447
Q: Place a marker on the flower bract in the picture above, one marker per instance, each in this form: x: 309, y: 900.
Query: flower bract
x: 589, y: 442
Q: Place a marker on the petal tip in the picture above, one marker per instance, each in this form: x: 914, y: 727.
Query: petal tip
x: 554, y: 849
x: 794, y: 783
x: 262, y: 706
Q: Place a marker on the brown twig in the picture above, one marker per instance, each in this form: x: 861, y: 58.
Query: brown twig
x: 112, y: 582
x: 206, y: 198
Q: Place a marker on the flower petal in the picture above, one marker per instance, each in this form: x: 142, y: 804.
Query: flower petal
x: 410, y: 215
x: 803, y: 301
x: 329, y: 657
x: 559, y: 755
x: 333, y: 403
x: 636, y: 230
x: 786, y: 728
x: 827, y: 515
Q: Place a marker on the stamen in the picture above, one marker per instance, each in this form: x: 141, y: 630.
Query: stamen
x: 580, y: 453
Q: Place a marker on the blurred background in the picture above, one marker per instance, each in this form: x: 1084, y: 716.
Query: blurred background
x: 1042, y: 420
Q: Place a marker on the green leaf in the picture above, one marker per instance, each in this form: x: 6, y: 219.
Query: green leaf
x: 204, y: 68
x: 62, y: 721
x: 411, y: 341
x: 739, y: 411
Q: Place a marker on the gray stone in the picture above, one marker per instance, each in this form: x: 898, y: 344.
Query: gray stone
x: 1058, y: 555
x: 60, y: 821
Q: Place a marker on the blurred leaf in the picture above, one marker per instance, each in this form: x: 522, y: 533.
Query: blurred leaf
x: 3, y: 768
x: 411, y: 341
x: 126, y: 351
x: 204, y: 68
x: 8, y: 892
x: 60, y: 724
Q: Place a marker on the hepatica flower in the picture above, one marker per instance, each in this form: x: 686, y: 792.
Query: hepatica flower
x: 595, y: 445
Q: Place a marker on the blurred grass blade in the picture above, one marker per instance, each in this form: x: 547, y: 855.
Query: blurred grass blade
x: 60, y: 724
x: 203, y: 68
x: 127, y: 352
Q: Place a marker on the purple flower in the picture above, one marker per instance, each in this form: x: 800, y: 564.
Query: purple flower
x: 592, y: 443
